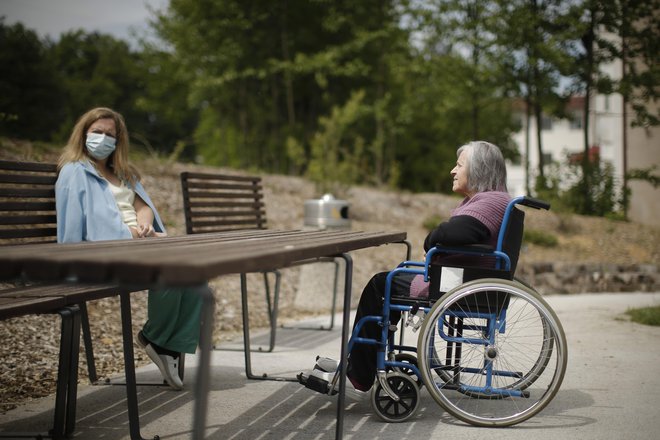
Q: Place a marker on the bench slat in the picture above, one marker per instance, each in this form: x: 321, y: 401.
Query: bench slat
x: 228, y: 213
x: 187, y: 175
x: 27, y: 206
x: 241, y: 187
x: 28, y: 219
x: 43, y: 193
x: 32, y: 179
x: 256, y: 206
x: 15, y: 307
x: 223, y: 195
x: 29, y: 233
x: 28, y: 166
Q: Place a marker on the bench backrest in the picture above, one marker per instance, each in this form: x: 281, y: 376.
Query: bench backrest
x: 217, y: 202
x: 27, y: 202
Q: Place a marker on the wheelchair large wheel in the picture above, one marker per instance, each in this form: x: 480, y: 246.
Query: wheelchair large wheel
x: 390, y: 410
x: 542, y: 343
x: 492, y: 352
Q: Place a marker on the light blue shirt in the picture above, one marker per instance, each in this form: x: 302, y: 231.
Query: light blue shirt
x: 86, y: 208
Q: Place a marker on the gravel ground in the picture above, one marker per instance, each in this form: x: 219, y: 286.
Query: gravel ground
x: 31, y: 344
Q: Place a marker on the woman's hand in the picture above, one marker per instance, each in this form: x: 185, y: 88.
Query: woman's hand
x: 145, y: 230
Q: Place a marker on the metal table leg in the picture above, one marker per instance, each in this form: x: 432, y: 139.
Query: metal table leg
x: 203, y: 383
x: 346, y: 316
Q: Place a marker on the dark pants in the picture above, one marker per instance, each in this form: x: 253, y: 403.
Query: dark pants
x: 362, y: 358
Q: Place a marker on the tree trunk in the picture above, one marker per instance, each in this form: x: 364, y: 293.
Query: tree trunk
x: 528, y: 119
x: 537, y: 100
x: 288, y: 81
x: 588, y: 42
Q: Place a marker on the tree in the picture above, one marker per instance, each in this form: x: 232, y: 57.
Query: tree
x: 29, y: 89
x: 96, y: 70
x: 269, y: 71
x: 635, y: 27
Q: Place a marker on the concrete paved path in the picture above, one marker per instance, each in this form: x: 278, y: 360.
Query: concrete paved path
x: 611, y: 391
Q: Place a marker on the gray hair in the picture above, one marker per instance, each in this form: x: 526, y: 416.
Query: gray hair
x: 485, y: 166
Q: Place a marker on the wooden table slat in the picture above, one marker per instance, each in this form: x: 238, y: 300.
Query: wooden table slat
x: 187, y: 259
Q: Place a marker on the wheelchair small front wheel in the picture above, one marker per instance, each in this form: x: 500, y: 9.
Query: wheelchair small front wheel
x: 407, y: 358
x: 393, y: 411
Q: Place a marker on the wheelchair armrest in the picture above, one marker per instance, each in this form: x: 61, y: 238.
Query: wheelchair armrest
x: 533, y: 203
x: 412, y: 263
x: 479, y: 250
x: 467, y: 249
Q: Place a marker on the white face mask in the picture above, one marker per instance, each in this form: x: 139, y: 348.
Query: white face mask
x: 100, y: 145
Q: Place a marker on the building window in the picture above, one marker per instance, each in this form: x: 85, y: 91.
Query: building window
x: 546, y: 123
x: 576, y: 120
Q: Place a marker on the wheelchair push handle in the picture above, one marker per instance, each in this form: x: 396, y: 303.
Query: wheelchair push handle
x: 534, y: 203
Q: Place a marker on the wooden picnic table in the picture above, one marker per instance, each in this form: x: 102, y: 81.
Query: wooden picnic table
x: 191, y: 261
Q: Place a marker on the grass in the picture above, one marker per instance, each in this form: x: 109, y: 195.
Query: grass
x: 645, y: 315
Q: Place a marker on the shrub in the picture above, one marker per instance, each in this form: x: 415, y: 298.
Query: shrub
x: 540, y: 238
x: 431, y: 222
x: 566, y: 188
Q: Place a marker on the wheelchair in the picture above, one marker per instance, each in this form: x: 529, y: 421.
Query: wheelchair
x: 490, y: 350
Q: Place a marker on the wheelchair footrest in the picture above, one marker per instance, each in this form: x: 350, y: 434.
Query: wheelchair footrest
x: 315, y: 383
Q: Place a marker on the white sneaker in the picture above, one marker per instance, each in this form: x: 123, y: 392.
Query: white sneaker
x: 168, y: 366
x: 351, y: 393
x: 323, y: 375
x: 326, y: 364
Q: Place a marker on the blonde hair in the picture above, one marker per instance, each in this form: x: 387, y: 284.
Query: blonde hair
x: 75, y: 149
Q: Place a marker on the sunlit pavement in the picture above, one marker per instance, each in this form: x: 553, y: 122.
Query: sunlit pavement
x: 611, y: 390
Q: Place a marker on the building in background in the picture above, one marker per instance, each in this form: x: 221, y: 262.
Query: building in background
x: 611, y: 136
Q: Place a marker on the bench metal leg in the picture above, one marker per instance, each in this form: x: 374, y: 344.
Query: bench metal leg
x: 87, y: 340
x: 67, y: 374
x: 64, y: 418
x: 333, y: 307
x: 72, y: 390
x: 246, y: 339
x: 272, y: 305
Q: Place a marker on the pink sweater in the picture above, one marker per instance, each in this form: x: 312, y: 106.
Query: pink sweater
x: 488, y: 207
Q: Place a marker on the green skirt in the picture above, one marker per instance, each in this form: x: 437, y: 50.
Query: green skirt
x: 173, y: 319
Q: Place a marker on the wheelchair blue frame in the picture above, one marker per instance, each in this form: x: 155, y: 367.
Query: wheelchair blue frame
x: 494, y: 321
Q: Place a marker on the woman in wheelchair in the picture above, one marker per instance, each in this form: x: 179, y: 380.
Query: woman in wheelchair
x: 480, y: 176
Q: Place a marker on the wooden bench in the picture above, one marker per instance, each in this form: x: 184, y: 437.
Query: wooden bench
x: 27, y: 216
x: 220, y: 203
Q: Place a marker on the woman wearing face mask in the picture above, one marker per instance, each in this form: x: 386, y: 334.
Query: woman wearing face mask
x: 99, y: 197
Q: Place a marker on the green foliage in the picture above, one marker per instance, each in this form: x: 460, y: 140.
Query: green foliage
x: 645, y: 315
x: 336, y: 150
x: 218, y: 143
x: 30, y: 95
x: 565, y: 188
x: 646, y: 175
x: 377, y: 92
x: 432, y: 222
x: 541, y: 238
